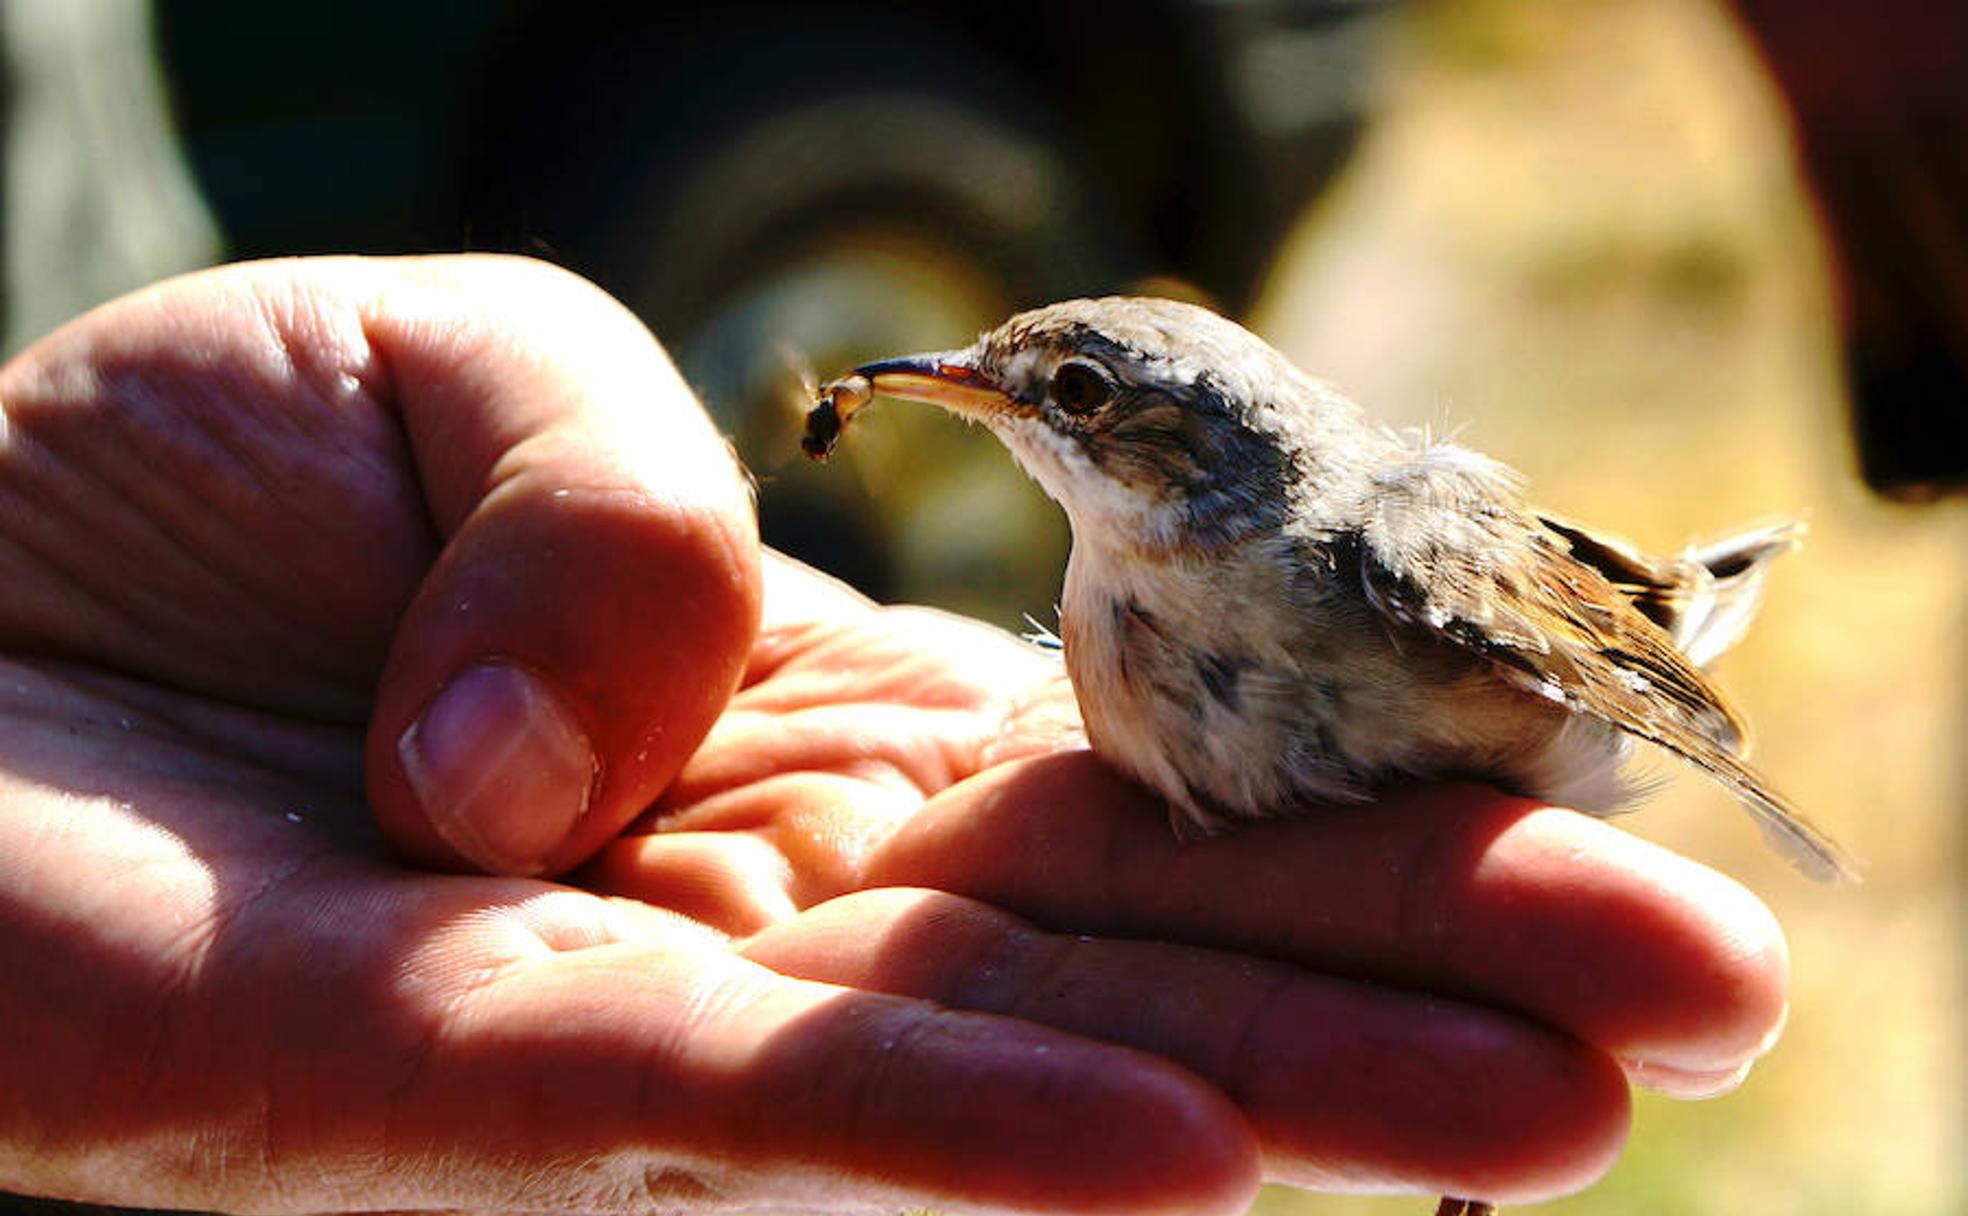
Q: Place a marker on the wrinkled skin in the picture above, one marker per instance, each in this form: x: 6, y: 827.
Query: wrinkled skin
x: 887, y: 937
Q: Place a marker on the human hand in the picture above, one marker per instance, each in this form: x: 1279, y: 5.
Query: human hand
x: 221, y: 506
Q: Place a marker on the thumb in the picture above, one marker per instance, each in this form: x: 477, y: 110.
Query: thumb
x: 598, y: 589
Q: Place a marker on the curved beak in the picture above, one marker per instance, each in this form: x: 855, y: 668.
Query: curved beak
x: 944, y: 379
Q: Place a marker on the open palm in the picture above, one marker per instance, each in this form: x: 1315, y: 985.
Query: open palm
x: 320, y: 579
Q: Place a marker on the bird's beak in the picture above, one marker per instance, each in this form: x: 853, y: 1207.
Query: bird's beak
x: 944, y: 379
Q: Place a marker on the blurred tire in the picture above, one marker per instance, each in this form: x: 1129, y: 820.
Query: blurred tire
x: 840, y: 186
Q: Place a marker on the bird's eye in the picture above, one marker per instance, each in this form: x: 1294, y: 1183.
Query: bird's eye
x: 1080, y: 387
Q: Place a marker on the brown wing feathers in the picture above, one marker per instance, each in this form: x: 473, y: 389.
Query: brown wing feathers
x: 1559, y: 627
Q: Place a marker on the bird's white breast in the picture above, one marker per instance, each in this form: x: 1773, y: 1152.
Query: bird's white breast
x: 1236, y: 692
x: 1187, y: 684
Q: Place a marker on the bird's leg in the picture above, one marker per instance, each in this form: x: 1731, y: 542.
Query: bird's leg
x: 1451, y: 1206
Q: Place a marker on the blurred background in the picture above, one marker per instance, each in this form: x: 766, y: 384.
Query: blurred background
x: 1686, y: 263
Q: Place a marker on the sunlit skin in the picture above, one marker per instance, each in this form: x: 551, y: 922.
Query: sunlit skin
x: 889, y: 937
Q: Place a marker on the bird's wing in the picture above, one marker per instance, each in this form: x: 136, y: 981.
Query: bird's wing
x: 1448, y: 549
x: 1653, y: 585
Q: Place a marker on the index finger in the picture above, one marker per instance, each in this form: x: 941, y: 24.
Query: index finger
x: 1455, y: 890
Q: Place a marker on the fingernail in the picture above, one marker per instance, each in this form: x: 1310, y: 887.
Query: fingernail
x: 502, y: 769
x: 1688, y: 1084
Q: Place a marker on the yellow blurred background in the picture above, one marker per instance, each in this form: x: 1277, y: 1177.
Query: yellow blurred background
x: 1579, y: 231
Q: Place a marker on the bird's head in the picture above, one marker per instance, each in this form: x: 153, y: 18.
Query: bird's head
x: 1153, y: 422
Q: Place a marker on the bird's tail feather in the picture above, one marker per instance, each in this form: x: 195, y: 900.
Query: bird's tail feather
x: 1732, y: 570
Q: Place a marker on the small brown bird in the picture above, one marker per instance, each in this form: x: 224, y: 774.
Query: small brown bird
x: 1273, y: 602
